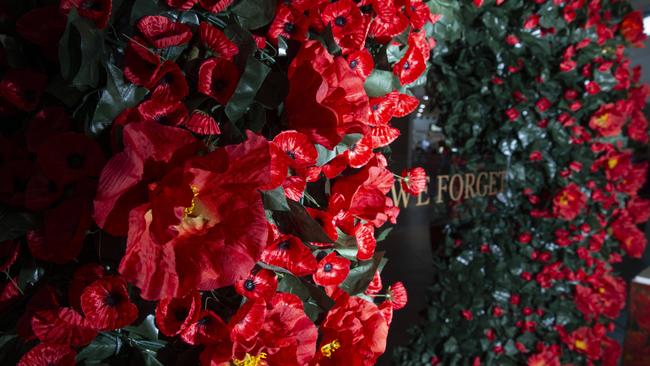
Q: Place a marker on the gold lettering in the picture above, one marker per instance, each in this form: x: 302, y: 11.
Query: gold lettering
x: 492, y: 190
x: 503, y: 181
x: 400, y: 199
x: 470, y: 178
x: 442, y: 187
x: 426, y: 193
x: 452, y: 196
x: 481, y: 193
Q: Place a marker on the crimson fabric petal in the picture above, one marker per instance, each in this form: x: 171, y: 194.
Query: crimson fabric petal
x: 44, y: 298
x: 23, y: 88
x: 70, y: 156
x: 383, y: 136
x: 398, y: 295
x: 215, y: 6
x: 99, y: 11
x: 218, y: 79
x: 182, y: 4
x: 297, y: 147
x: 360, y: 153
x: 414, y: 180
x: 82, y: 278
x: 294, y: 187
x: 248, y: 320
x: 174, y: 315
x: 289, y: 24
x: 168, y: 113
x: 365, y: 235
x: 106, y: 304
x: 217, y: 42
x: 43, y: 27
x: 9, y: 251
x: 207, y: 328
x: 405, y: 105
x: 279, y: 167
x: 162, y: 32
x: 410, y: 67
x: 259, y: 284
x: 202, y: 123
x: 140, y: 63
x: 47, y: 122
x: 326, y: 221
x: 171, y: 84
x: 382, y: 109
x: 332, y: 270
x: 290, y: 253
x: 45, y: 354
x: 361, y: 62
x: 62, y: 326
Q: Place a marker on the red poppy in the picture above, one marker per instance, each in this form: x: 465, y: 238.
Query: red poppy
x: 217, y: 42
x: 354, y: 333
x: 162, y: 32
x: 47, y: 122
x: 44, y: 298
x: 419, y: 14
x: 375, y: 285
x: 289, y: 24
x: 569, y: 202
x: 218, y: 79
x: 45, y: 354
x: 397, y: 295
x: 23, y: 88
x: 382, y: 109
x: 349, y: 27
x: 82, y: 278
x: 123, y: 182
x: 182, y: 4
x: 405, y: 105
x: 9, y: 293
x: 279, y: 167
x: 215, y: 6
x: 207, y: 214
x: 202, y: 123
x: 67, y: 157
x: 360, y: 153
x: 140, y: 63
x: 605, y: 296
x: 106, y: 304
x: 608, y: 120
x: 361, y: 62
x: 259, y: 284
x: 365, y: 236
x: 326, y: 221
x: 411, y: 66
x: 62, y: 326
x: 99, y: 11
x: 389, y: 23
x: 207, y: 328
x: 414, y: 180
x: 248, y: 321
x: 290, y: 253
x: 171, y: 84
x: 332, y: 270
x: 326, y: 99
x: 43, y: 27
x: 161, y: 112
x: 632, y: 28
x: 9, y: 251
x: 173, y: 315
x: 297, y: 147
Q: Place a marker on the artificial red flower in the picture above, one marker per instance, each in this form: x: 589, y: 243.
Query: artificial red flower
x: 217, y: 42
x: 331, y: 270
x: 43, y: 27
x: 382, y: 109
x: 348, y: 26
x: 82, y: 278
x: 388, y: 23
x: 215, y: 6
x: 569, y: 202
x: 170, y: 84
x: 584, y: 341
x: 162, y: 32
x: 44, y: 298
x: 287, y: 251
x: 366, y: 242
x: 106, y: 304
x: 218, y: 79
x: 9, y: 251
x: 207, y: 328
x: 99, y: 11
x: 605, y: 296
x: 608, y: 120
x: 182, y: 4
x: 297, y: 148
x: 383, y: 136
x: 360, y: 153
x: 326, y: 98
x: 173, y: 315
x: 326, y: 221
x: 353, y: 333
x: 62, y: 326
x: 248, y: 321
x: 361, y: 62
x: 397, y: 295
x: 162, y: 112
x: 411, y: 66
x: 288, y: 23
x: 632, y: 28
x: 150, y: 150
x: 140, y: 63
x: 45, y: 354
x: 67, y: 157
x: 202, y: 123
x: 47, y: 122
x: 404, y: 105
x: 638, y: 209
x: 631, y: 239
x: 259, y: 284
x: 419, y: 14
x: 414, y: 180
x: 23, y: 88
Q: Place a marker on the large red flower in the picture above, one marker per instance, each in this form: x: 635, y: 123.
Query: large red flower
x: 608, y: 120
x: 106, y: 304
x: 289, y: 252
x: 569, y: 202
x: 46, y: 354
x: 326, y: 98
x: 203, y: 225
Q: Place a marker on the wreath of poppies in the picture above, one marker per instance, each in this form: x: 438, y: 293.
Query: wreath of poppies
x: 202, y: 181
x: 544, y: 89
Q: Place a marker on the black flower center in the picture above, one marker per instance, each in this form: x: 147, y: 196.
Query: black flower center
x: 374, y: 107
x: 321, y: 255
x: 327, y: 267
x: 289, y: 28
x: 340, y: 21
x: 113, y: 299
x: 406, y: 65
x: 249, y: 285
x: 168, y: 79
x: 75, y: 161
x: 354, y: 63
x: 181, y: 314
x: 204, y: 321
x: 366, y: 9
x: 219, y: 84
x: 29, y: 95
x: 284, y: 245
x: 291, y: 154
x: 162, y: 119
x: 91, y: 5
x: 20, y: 184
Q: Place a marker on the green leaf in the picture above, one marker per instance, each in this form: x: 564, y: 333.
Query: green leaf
x: 15, y: 224
x: 147, y: 329
x: 315, y: 300
x: 298, y: 222
x: 13, y: 51
x: 384, y: 234
x: 249, y: 83
x: 325, y: 155
x: 275, y: 200
x: 115, y: 98
x: 81, y: 52
x: 101, y: 348
x: 381, y: 82
x: 254, y: 14
x: 360, y: 275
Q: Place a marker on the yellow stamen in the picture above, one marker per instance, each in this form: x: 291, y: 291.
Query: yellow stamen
x: 328, y: 349
x: 189, y: 211
x: 601, y: 290
x: 612, y: 163
x: 602, y: 121
x: 581, y: 345
x: 564, y: 199
x: 250, y: 360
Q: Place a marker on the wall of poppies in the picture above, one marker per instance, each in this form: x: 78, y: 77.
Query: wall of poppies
x: 543, y: 88
x: 202, y: 181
